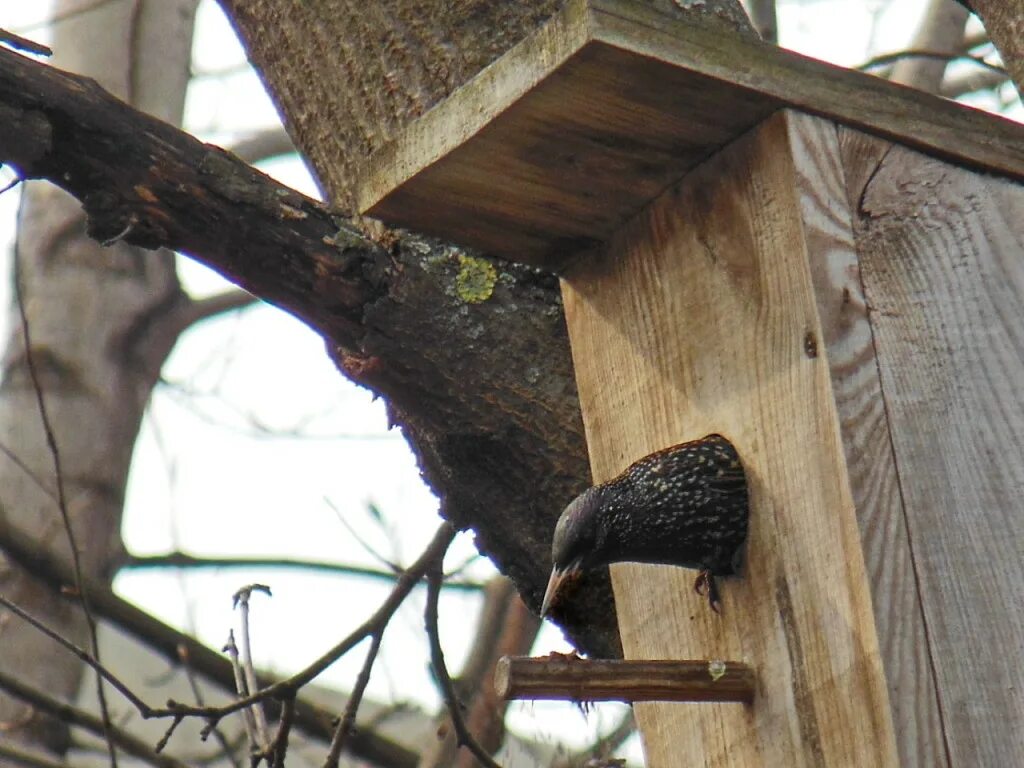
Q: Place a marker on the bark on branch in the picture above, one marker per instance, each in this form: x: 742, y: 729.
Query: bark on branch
x: 482, y: 385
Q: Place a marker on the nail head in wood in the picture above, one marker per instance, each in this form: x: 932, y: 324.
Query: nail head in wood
x: 570, y: 678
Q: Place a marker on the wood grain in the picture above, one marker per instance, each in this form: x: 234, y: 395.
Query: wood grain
x: 850, y: 352
x: 555, y: 145
x: 942, y: 260
x: 575, y: 679
x: 699, y: 318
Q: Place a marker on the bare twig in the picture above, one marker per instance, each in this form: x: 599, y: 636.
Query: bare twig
x: 889, y: 58
x: 359, y: 539
x: 243, y: 690
x: 604, y: 746
x: 24, y: 44
x: 272, y: 142
x: 31, y: 758
x: 77, y: 717
x: 168, y: 642
x: 505, y: 627
x: 972, y: 82
x: 16, y: 460
x: 465, y: 738
x: 70, y: 13
x: 195, y: 311
x: 197, y: 693
x: 279, y: 746
x: 184, y: 560
x: 241, y: 600
x: 348, y: 718
x: 101, y: 672
x: 62, y: 503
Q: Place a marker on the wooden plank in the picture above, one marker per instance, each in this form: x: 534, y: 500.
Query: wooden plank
x: 697, y: 319
x: 846, y: 334
x: 942, y: 260
x: 551, y: 148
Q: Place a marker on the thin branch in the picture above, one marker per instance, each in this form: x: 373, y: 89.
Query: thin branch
x: 465, y: 738
x: 24, y: 44
x: 890, y: 58
x: 348, y: 718
x: 73, y: 715
x: 70, y: 13
x: 227, y: 751
x: 196, y: 310
x: 167, y: 641
x: 286, y: 688
x: 101, y: 672
x: 359, y: 539
x: 604, y: 746
x: 30, y: 758
x: 243, y: 690
x: 279, y: 746
x: 62, y: 503
x: 273, y: 142
x: 16, y: 460
x: 183, y: 560
x: 241, y: 600
x: 972, y: 82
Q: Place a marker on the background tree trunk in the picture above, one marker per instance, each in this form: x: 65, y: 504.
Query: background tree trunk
x: 96, y: 321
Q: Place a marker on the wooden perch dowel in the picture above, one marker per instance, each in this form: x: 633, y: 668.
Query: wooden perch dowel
x: 570, y: 678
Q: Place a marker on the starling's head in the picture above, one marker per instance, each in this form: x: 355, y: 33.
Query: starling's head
x: 575, y: 545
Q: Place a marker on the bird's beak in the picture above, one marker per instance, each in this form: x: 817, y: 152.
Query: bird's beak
x: 558, y: 577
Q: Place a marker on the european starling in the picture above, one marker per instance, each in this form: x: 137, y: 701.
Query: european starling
x: 685, y: 505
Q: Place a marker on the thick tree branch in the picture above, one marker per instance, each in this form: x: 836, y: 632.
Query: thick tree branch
x: 1004, y: 21
x: 484, y: 391
x: 145, y: 182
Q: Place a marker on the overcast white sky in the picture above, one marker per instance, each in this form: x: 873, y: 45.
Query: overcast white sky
x: 211, y: 477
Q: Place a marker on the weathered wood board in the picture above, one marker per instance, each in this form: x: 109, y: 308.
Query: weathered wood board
x: 941, y: 257
x: 823, y: 191
x: 554, y: 146
x: 701, y: 316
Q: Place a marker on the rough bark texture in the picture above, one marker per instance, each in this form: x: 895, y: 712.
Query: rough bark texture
x: 1004, y: 21
x: 90, y: 312
x: 484, y: 390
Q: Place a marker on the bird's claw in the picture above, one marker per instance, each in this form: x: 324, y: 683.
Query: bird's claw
x: 706, y: 585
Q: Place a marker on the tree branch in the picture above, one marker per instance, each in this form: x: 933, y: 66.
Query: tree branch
x: 185, y: 561
x: 273, y: 142
x: 31, y: 758
x: 147, y: 183
x: 170, y: 643
x: 62, y: 505
x: 390, y: 317
x: 451, y: 699
x: 196, y: 310
x: 75, y: 716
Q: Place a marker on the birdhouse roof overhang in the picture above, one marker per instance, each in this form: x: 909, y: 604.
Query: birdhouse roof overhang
x: 554, y: 146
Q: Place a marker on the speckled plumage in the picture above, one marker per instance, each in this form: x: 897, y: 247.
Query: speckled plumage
x: 685, y: 505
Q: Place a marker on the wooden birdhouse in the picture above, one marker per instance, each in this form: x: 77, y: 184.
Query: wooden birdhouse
x: 829, y: 270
